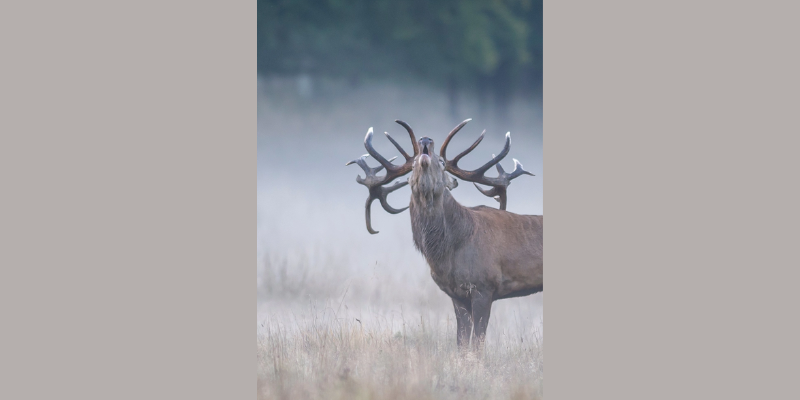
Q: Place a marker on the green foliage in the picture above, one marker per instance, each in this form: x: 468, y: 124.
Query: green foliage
x: 431, y: 40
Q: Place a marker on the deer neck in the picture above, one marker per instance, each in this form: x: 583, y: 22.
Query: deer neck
x: 440, y: 226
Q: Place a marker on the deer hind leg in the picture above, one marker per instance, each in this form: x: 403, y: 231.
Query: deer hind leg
x: 463, y: 323
x: 481, y: 309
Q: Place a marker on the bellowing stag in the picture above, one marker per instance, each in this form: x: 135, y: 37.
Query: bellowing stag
x: 476, y: 254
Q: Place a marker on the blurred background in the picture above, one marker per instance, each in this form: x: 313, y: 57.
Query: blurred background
x: 328, y: 71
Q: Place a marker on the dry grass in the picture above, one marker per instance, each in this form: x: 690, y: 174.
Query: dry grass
x: 330, y: 357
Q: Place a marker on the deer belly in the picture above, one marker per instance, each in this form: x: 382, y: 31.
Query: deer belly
x: 521, y: 279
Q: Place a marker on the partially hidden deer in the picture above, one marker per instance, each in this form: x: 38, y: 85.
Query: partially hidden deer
x: 476, y: 254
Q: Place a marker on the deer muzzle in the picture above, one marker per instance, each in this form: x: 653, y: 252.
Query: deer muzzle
x: 424, y: 160
x: 426, y: 146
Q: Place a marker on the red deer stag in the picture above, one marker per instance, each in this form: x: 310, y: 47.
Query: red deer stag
x: 476, y: 254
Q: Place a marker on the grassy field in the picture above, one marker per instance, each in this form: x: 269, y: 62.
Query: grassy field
x: 339, y: 357
x: 342, y: 314
x: 354, y: 335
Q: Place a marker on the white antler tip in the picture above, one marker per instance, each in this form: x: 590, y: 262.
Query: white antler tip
x: 508, y: 134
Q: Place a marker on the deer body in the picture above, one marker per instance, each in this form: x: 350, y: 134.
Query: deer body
x: 476, y: 254
x: 478, y: 250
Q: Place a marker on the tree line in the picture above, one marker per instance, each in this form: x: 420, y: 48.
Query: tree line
x: 492, y: 47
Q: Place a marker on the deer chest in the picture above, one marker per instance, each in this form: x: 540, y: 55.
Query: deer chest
x: 451, y: 286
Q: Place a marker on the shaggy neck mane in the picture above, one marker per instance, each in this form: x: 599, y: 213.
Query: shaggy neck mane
x: 440, y: 226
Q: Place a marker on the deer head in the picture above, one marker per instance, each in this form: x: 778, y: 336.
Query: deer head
x: 428, y: 178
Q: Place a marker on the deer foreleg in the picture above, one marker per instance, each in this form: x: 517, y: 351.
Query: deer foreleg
x: 481, y: 308
x: 463, y: 323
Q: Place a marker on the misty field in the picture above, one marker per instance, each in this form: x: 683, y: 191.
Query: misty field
x: 335, y: 357
x: 342, y: 314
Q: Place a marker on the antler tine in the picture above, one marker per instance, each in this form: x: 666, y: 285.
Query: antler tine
x: 359, y: 161
x: 373, y: 153
x: 400, y: 149
x: 379, y: 193
x: 368, y: 216
x: 443, y: 149
x: 487, y: 192
x: 385, y: 191
x: 499, y: 193
x: 414, y: 143
x: 362, y: 162
x: 474, y: 145
x: 518, y: 170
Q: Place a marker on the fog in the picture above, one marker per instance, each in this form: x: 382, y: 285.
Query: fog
x: 314, y: 254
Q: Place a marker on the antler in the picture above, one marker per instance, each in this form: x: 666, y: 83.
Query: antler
x: 499, y: 184
x: 375, y: 183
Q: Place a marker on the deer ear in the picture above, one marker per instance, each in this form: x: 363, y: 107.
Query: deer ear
x: 452, y: 183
